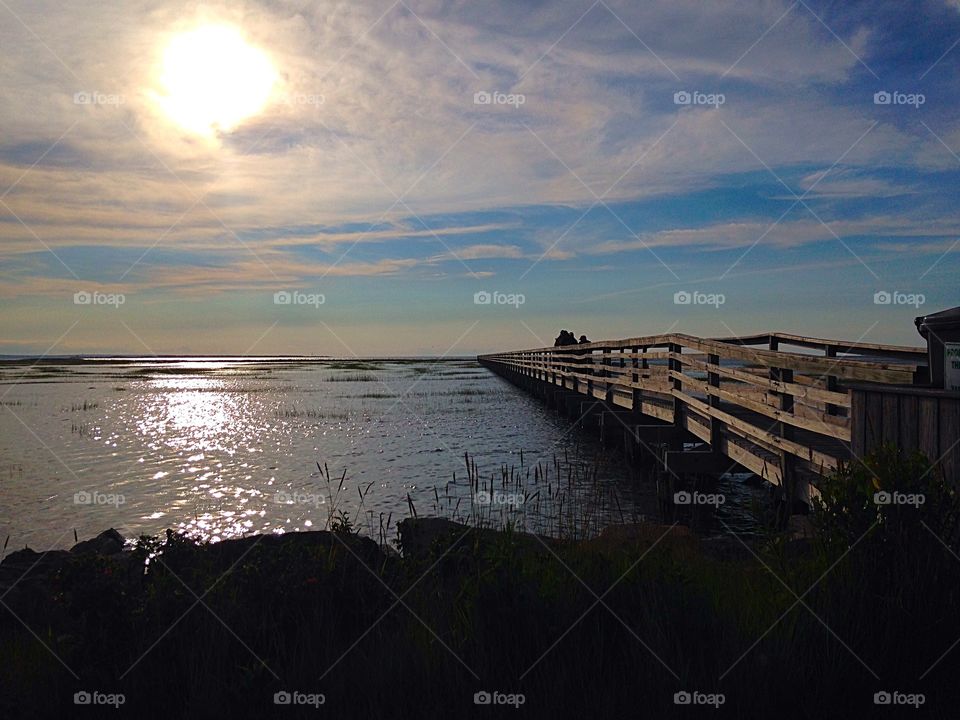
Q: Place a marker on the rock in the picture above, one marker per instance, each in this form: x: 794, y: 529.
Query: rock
x: 27, y: 558
x: 27, y: 568
x: 418, y: 538
x: 418, y: 534
x: 109, y: 542
x: 227, y: 554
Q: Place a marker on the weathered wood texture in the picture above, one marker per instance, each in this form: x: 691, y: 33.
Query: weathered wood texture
x: 798, y: 406
x: 912, y: 418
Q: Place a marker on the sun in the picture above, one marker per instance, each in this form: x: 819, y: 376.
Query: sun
x: 212, y: 79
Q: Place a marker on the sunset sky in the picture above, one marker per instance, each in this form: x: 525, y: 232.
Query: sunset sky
x: 186, y: 162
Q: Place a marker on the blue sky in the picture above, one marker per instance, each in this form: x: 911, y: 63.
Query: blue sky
x: 587, y: 192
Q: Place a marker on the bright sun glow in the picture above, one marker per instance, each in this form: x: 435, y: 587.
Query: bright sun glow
x: 213, y: 79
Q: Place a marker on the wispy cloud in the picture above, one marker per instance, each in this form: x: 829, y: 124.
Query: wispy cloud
x: 377, y: 155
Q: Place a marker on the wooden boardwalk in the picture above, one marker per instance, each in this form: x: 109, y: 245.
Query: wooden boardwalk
x: 774, y: 404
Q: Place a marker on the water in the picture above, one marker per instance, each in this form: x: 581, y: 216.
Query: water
x: 223, y: 447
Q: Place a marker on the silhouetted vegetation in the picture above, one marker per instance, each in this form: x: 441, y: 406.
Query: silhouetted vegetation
x: 607, y: 627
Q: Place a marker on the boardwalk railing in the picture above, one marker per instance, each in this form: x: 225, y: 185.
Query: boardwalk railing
x: 776, y: 404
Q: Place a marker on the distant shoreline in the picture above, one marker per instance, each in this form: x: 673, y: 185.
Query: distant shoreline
x: 124, y: 359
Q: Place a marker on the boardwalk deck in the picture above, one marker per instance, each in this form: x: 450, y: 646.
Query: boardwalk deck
x: 775, y: 404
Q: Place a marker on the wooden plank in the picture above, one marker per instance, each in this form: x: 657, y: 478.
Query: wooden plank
x: 950, y: 439
x: 783, y: 444
x: 754, y: 463
x: 659, y: 412
x: 873, y: 423
x: 655, y: 383
x: 891, y: 419
x: 909, y: 438
x: 817, y: 425
x: 694, y: 427
x: 858, y: 420
x: 560, y: 356
x: 929, y: 428
x: 862, y: 348
x: 850, y: 369
x: 907, y: 352
x: 795, y: 388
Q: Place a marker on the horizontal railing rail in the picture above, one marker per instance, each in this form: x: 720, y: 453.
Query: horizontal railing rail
x: 770, y: 409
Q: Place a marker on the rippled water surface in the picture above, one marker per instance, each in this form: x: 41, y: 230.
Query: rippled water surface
x: 220, y: 448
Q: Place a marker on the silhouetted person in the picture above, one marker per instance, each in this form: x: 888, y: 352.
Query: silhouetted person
x: 565, y: 338
x: 583, y: 339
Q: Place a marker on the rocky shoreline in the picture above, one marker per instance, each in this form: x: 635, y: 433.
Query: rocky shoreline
x: 25, y: 572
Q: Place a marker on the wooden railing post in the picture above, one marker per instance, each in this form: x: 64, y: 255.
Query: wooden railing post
x: 605, y: 374
x: 832, y: 384
x: 589, y: 372
x: 675, y: 382
x: 786, y: 431
x: 713, y: 380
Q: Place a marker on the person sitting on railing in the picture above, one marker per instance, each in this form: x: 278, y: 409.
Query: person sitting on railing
x: 565, y: 338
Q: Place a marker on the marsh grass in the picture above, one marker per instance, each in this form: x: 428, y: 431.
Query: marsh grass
x: 352, y: 377
x: 355, y: 365
x: 310, y: 413
x: 563, y: 497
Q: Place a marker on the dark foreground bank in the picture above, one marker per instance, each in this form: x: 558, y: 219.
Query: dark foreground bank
x: 644, y: 621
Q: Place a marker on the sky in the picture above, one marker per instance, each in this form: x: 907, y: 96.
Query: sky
x: 451, y: 178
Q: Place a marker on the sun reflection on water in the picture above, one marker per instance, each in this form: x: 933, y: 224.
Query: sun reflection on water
x: 199, y: 423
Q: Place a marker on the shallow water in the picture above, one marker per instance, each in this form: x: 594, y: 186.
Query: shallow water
x: 226, y: 447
